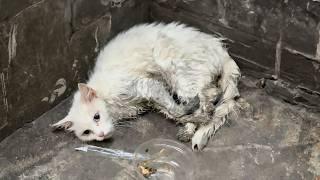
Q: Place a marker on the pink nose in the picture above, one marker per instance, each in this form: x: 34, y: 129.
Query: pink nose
x: 101, y: 134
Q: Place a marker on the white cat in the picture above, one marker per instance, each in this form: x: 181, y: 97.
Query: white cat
x: 142, y: 67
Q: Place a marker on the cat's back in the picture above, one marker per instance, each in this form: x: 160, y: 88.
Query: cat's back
x: 130, y: 47
x: 136, y: 44
x: 132, y: 52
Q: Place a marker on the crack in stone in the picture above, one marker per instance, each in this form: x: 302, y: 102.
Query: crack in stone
x: 318, y: 45
x: 278, y: 55
x: 308, y: 56
x: 96, y: 49
x: 4, y: 92
x: 70, y: 10
x: 12, y: 44
x: 29, y: 7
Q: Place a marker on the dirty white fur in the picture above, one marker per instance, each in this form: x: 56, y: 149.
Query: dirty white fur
x: 227, y: 104
x: 145, y: 64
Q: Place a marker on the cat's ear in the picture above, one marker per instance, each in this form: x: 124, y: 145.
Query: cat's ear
x: 87, y: 93
x: 65, y: 124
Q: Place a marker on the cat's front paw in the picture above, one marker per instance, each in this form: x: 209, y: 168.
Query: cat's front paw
x: 186, y: 132
x: 201, y: 137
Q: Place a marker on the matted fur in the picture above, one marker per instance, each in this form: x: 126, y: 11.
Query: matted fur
x: 143, y: 66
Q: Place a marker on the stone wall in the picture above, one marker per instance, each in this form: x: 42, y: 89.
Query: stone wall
x: 274, y: 39
x: 47, y: 46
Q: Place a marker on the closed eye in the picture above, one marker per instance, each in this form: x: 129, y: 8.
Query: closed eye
x: 86, y: 132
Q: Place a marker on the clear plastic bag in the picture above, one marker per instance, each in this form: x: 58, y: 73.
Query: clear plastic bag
x: 156, y: 159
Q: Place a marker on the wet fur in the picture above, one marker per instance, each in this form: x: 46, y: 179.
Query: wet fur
x: 145, y: 65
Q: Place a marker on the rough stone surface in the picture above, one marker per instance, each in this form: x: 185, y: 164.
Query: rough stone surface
x: 294, y: 95
x: 46, y: 47
x: 269, y: 140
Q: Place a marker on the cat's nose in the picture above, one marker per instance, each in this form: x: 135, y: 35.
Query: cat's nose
x: 101, y: 134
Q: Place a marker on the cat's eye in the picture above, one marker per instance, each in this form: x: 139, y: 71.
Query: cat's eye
x: 86, y: 132
x: 96, y: 117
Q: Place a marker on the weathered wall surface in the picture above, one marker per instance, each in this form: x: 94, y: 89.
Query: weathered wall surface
x: 274, y: 37
x: 46, y: 47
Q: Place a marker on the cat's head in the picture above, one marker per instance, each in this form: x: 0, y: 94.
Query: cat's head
x: 88, y: 117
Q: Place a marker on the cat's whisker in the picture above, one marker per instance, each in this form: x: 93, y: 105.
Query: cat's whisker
x: 123, y: 126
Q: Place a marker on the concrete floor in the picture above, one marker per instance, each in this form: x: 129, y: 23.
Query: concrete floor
x: 270, y: 140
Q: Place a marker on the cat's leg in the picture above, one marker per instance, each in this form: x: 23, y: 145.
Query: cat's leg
x: 211, y: 96
x: 184, y: 73
x: 206, y: 131
x: 187, y: 87
x: 209, y: 124
x: 229, y: 85
x: 227, y: 104
x: 155, y: 91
